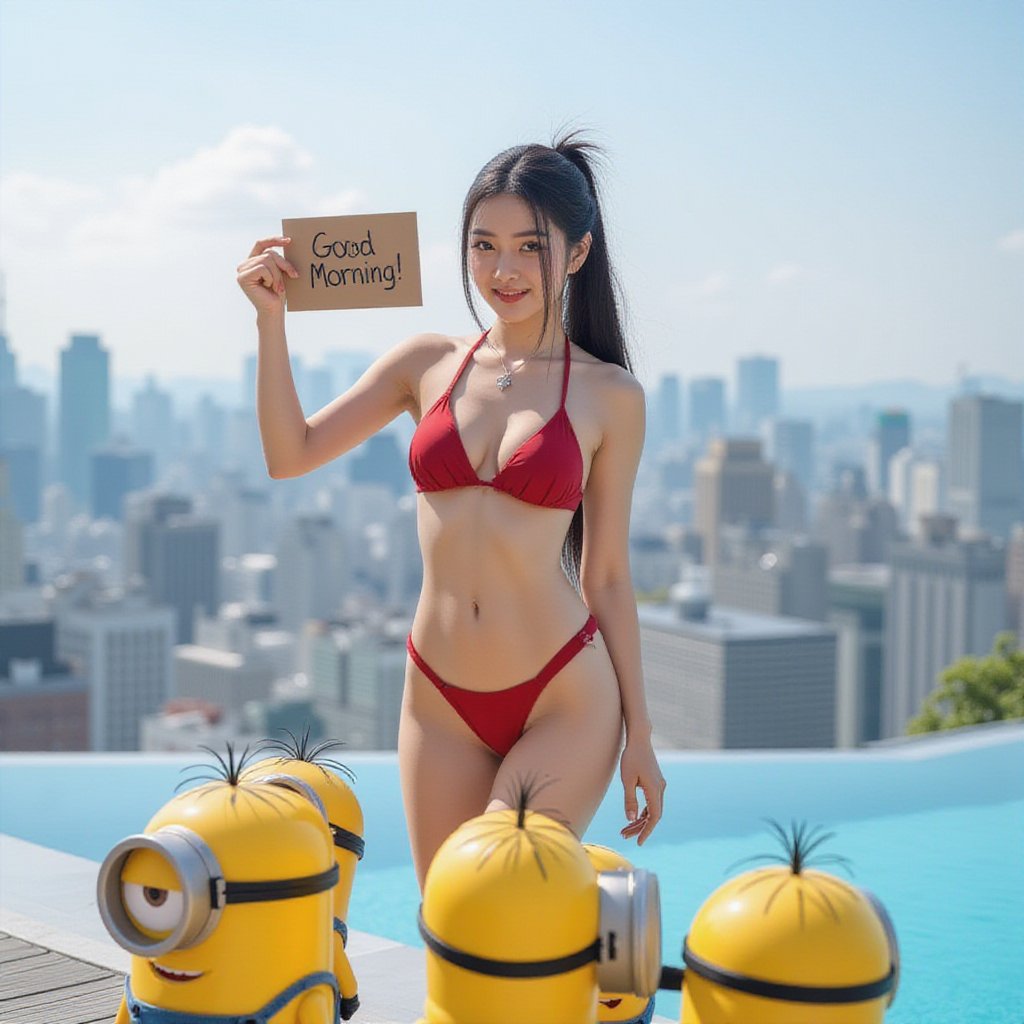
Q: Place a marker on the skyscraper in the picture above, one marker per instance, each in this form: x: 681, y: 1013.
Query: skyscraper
x: 733, y: 484
x: 891, y: 433
x: 757, y: 392
x: 792, y: 449
x: 84, y: 413
x: 946, y: 599
x: 985, y: 471
x: 707, y: 408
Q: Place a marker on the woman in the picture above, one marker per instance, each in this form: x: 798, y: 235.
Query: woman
x: 524, y: 653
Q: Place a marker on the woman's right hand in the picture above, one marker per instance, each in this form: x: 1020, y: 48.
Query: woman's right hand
x: 262, y: 275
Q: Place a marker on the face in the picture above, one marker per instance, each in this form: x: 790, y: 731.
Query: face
x: 505, y: 254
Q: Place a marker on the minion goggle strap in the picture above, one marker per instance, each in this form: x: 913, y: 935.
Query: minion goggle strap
x: 627, y: 950
x: 346, y: 840
x: 507, y: 968
x: 822, y: 994
x: 203, y: 889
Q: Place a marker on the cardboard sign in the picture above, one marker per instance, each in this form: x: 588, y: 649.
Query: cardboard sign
x: 357, y: 262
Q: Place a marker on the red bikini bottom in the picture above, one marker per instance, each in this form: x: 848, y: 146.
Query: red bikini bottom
x: 498, y: 716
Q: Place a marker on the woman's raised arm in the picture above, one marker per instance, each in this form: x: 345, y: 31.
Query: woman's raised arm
x: 292, y: 444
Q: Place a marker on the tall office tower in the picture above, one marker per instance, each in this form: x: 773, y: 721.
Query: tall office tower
x: 757, y: 393
x: 772, y: 573
x: 733, y: 484
x: 379, y: 460
x: 667, y: 425
x: 719, y: 678
x: 792, y: 449
x: 175, y: 552
x: 346, y: 367
x: 848, y: 479
x: 209, y: 432
x: 857, y: 611
x: 707, y: 409
x: 153, y: 425
x: 317, y: 389
x: 915, y: 488
x: 891, y: 433
x: 43, y: 705
x: 12, y: 550
x: 790, y: 503
x: 243, y: 513
x: 84, y: 412
x: 1015, y: 581
x: 856, y: 531
x: 243, y: 449
x: 405, y: 563
x: 117, y: 469
x: 986, y: 474
x: 24, y: 443
x: 946, y: 600
x: 312, y: 570
x: 121, y: 644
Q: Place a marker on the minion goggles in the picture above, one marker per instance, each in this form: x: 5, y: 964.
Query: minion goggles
x: 627, y: 951
x: 204, y: 891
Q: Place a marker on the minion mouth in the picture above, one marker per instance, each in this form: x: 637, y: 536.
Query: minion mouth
x: 610, y: 1003
x: 168, y: 975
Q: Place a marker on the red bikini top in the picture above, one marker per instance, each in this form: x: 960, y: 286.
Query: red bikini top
x: 546, y: 469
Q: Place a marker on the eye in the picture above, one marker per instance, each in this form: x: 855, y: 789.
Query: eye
x: 479, y: 244
x: 151, y: 908
x: 532, y: 246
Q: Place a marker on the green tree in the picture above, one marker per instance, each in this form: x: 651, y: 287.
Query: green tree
x: 975, y: 690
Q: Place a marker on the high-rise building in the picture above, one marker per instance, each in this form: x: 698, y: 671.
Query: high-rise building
x: 117, y: 469
x: 153, y: 424
x: 1015, y: 581
x: 707, y: 408
x: 985, y: 468
x: 733, y: 484
x: 312, y: 570
x: 720, y: 678
x: 946, y: 600
x: 121, y: 644
x: 666, y: 428
x: 757, y: 393
x: 176, y: 553
x: 84, y: 412
x: 792, y: 449
x: 891, y: 433
x: 12, y: 550
x: 915, y: 487
x: 771, y: 573
x: 379, y: 460
x: 857, y: 596
x: 43, y: 705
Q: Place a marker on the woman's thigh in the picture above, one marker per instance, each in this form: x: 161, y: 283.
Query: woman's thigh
x: 447, y: 773
x: 568, y: 757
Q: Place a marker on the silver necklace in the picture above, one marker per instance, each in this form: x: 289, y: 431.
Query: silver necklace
x: 505, y: 380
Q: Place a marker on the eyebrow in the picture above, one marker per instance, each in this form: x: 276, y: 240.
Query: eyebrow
x: 518, y: 234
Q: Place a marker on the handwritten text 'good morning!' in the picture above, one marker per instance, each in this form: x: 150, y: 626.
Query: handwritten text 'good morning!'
x: 325, y: 276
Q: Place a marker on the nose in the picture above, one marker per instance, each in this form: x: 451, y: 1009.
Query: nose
x: 505, y: 268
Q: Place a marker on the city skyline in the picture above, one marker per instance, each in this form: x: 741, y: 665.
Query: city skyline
x: 835, y: 187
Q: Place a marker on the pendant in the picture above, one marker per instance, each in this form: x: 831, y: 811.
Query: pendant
x: 504, y: 381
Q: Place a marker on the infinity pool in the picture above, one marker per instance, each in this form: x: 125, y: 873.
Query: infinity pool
x: 935, y: 828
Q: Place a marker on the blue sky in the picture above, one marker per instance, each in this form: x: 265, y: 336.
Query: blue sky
x: 838, y: 184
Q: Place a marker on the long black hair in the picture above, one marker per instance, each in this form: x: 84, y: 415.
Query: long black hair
x: 558, y: 184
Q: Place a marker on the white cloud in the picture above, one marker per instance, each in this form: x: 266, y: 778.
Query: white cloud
x: 1012, y: 242
x: 783, y: 273
x: 708, y: 287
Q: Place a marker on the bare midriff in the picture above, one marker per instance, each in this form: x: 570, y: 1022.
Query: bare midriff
x: 495, y: 604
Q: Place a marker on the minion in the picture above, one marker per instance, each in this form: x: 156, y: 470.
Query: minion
x: 623, y: 1007
x: 345, y: 819
x: 519, y: 926
x: 790, y: 945
x: 202, y: 898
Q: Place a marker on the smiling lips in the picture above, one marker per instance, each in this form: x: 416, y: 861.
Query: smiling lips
x: 168, y: 975
x: 509, y: 296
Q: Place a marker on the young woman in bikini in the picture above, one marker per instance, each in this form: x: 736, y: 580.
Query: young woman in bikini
x: 524, y: 653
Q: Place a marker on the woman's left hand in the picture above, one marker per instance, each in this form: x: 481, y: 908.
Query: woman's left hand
x: 639, y: 768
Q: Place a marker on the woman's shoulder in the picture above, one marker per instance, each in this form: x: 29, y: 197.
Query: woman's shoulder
x: 609, y: 380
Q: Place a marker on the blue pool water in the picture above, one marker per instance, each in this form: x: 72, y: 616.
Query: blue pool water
x: 935, y: 829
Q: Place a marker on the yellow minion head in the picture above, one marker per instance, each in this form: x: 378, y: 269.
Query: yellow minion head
x: 203, y: 895
x: 621, y: 1007
x: 789, y: 944
x: 311, y: 762
x: 510, y: 917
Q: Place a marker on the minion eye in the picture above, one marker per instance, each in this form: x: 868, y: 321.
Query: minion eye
x: 152, y: 908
